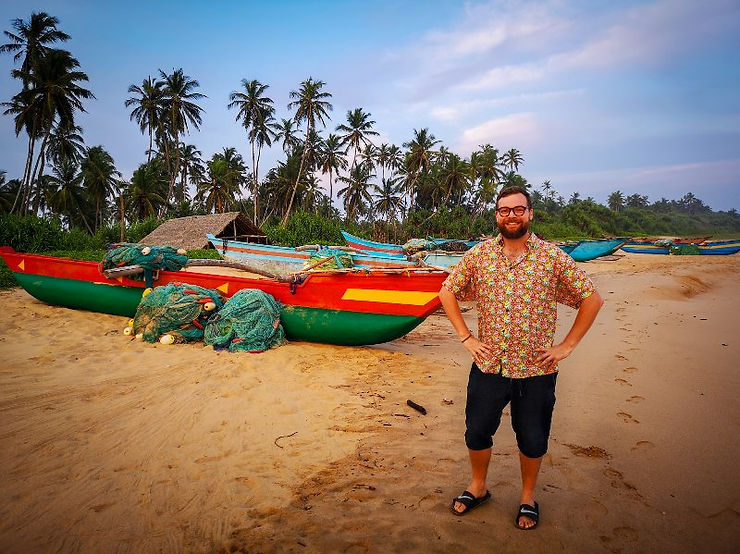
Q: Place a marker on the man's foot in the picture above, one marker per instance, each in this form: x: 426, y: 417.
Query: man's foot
x: 467, y: 501
x: 528, y: 516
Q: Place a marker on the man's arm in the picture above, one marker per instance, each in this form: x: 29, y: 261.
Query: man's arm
x: 452, y: 308
x: 584, y: 319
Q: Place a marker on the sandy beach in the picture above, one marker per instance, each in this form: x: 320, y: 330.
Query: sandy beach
x: 113, y: 445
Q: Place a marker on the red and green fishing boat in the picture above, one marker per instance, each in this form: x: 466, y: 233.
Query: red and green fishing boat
x: 345, y: 307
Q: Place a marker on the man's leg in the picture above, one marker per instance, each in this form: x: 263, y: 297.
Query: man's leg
x: 533, y: 400
x: 479, y: 460
x: 530, y: 470
x: 487, y: 396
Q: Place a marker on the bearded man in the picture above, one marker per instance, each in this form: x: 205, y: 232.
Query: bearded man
x: 517, y: 280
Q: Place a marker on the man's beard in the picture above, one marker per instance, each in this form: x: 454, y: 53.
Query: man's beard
x: 518, y: 233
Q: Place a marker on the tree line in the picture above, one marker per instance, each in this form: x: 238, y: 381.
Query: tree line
x: 382, y: 186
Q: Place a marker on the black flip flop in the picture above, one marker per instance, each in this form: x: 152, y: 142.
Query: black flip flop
x: 532, y: 512
x: 469, y: 500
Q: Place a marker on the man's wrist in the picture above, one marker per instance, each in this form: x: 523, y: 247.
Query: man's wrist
x: 467, y: 337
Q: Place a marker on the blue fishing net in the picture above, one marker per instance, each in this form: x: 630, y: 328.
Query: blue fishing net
x: 181, y: 310
x: 248, y: 322
x: 339, y: 259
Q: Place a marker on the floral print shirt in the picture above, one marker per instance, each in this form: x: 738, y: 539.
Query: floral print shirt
x: 517, y: 301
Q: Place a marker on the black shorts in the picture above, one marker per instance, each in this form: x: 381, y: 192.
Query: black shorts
x: 532, y: 401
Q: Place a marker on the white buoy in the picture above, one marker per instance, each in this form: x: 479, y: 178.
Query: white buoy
x: 182, y: 251
x: 139, y: 336
x: 146, y: 250
x: 209, y: 306
x: 128, y: 331
x: 167, y: 339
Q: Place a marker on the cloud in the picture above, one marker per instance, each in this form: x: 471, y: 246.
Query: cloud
x: 522, y: 44
x: 520, y: 129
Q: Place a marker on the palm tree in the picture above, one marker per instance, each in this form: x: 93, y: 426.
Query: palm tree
x: 395, y: 159
x: 191, y: 170
x: 148, y: 102
x: 369, y: 155
x: 66, y: 142
x: 356, y: 131
x: 31, y: 39
x: 418, y: 158
x: 286, y: 133
x: 100, y: 178
x: 30, y: 44
x: 181, y: 111
x: 69, y: 198
x: 456, y: 177
x: 311, y: 105
x: 146, y: 192
x: 255, y: 112
x: 388, y: 198
x: 332, y: 160
x: 356, y: 195
x: 512, y: 159
x: 52, y: 96
x: 8, y: 192
x: 616, y: 201
x: 222, y: 185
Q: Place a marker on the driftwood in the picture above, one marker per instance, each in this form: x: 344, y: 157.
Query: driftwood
x: 128, y: 270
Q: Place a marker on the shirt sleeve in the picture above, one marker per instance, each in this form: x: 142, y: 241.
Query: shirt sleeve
x: 574, y: 284
x: 461, y: 282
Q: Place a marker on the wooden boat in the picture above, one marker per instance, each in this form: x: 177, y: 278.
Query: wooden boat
x: 286, y: 259
x: 437, y: 258
x: 587, y: 250
x: 706, y: 248
x: 374, y: 247
x: 346, y: 307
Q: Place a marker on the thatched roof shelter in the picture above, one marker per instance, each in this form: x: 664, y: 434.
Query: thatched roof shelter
x: 190, y: 232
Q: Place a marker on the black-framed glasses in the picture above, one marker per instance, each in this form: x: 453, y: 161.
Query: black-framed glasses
x: 518, y: 210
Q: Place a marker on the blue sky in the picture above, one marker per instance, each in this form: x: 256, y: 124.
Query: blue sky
x: 637, y: 96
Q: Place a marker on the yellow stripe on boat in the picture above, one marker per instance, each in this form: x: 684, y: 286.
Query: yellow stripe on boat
x: 408, y: 297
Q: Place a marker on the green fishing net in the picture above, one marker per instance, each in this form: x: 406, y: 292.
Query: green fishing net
x: 684, y: 250
x: 339, y: 259
x: 148, y: 257
x: 417, y: 245
x: 248, y: 322
x: 180, y: 310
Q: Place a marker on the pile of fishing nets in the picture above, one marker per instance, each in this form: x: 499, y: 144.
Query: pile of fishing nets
x: 417, y: 245
x: 453, y: 246
x: 178, y: 310
x: 684, y: 250
x: 249, y: 321
x: 339, y: 259
x: 148, y: 257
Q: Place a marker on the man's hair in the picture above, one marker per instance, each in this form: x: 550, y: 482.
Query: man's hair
x: 514, y: 189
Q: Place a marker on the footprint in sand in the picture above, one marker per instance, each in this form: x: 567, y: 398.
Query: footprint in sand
x: 635, y: 399
x: 643, y: 445
x: 627, y: 418
x: 620, y: 357
x: 630, y: 369
x: 623, y: 382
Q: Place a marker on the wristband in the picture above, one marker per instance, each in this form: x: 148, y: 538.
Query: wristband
x: 466, y: 338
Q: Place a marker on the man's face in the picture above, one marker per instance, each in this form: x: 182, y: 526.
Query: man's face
x: 513, y: 226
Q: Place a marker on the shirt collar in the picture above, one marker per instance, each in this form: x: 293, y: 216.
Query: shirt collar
x: 533, y: 241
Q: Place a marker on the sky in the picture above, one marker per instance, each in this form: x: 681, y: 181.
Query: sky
x: 598, y: 96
